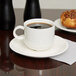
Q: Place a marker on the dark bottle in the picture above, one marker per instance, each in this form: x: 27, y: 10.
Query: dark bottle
x: 7, y: 16
x: 5, y: 61
x: 32, y: 9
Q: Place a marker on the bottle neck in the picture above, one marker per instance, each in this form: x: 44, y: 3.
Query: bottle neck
x: 6, y: 1
x: 32, y: 1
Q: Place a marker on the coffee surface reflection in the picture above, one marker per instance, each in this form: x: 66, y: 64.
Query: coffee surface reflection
x: 39, y: 25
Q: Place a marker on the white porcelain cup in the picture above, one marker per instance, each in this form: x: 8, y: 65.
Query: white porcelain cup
x: 37, y: 39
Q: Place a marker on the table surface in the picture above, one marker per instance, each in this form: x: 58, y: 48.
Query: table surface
x: 13, y: 64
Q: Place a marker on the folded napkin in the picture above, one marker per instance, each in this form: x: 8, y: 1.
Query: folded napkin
x: 69, y: 56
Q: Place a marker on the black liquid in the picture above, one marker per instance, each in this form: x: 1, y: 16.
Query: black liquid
x: 7, y: 16
x: 39, y: 25
x: 32, y: 10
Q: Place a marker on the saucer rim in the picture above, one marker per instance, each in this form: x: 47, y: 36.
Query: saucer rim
x: 62, y: 27
x: 63, y: 51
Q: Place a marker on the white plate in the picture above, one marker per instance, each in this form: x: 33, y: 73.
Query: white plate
x: 60, y: 26
x: 60, y: 45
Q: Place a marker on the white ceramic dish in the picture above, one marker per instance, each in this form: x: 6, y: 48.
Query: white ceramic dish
x: 60, y: 26
x: 60, y: 45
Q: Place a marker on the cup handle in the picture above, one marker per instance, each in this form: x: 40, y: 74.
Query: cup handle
x: 14, y: 32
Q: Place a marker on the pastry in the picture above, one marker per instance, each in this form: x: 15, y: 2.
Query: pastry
x: 68, y: 19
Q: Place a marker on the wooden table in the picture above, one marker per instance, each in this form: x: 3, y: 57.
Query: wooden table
x: 13, y: 64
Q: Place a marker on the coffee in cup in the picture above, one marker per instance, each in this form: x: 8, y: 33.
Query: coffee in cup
x: 39, y: 25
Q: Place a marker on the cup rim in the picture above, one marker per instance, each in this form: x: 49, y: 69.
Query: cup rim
x: 36, y: 20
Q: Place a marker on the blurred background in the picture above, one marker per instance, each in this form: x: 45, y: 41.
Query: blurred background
x: 49, y: 4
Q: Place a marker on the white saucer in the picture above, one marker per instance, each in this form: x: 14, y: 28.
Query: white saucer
x: 60, y: 26
x: 60, y: 46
